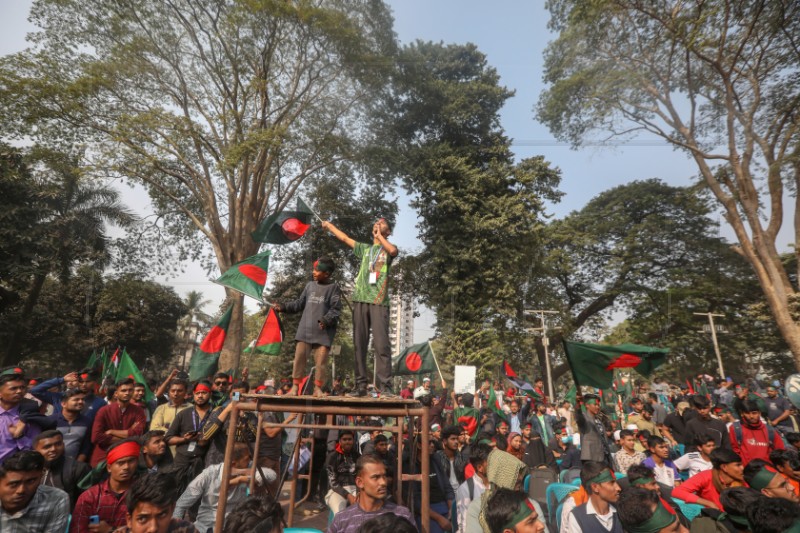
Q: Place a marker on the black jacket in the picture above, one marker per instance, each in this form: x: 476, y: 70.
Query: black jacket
x: 459, y: 461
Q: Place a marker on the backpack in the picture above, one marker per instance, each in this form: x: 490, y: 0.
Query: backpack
x: 737, y: 432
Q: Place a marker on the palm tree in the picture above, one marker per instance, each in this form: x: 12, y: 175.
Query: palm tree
x: 194, y: 303
x: 75, y: 209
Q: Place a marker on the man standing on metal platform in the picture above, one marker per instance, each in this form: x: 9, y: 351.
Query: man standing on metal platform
x: 371, y: 305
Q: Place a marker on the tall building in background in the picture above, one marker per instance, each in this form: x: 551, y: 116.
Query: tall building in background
x: 401, y: 322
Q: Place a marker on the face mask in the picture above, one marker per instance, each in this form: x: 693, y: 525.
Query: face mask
x: 565, y: 440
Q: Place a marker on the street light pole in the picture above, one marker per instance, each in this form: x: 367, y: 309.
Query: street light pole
x: 714, y: 340
x: 546, y: 344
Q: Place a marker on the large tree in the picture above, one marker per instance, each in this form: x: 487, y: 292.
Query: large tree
x: 221, y: 109
x: 717, y: 79
x: 625, y: 251
x: 73, y: 211
x: 480, y: 211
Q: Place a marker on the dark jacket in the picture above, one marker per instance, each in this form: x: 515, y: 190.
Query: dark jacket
x: 459, y: 461
x: 341, y: 470
x: 64, y: 474
x: 319, y: 304
x: 594, y: 444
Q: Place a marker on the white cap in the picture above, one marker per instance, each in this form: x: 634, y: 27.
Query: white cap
x: 419, y: 392
x: 425, y: 379
x: 632, y: 427
x: 410, y: 382
x: 616, y: 434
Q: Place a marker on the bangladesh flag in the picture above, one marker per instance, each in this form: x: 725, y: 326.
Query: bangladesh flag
x: 127, y: 369
x: 205, y: 358
x: 248, y: 276
x: 467, y: 417
x: 495, y: 406
x: 521, y: 385
x: 593, y: 365
x: 271, y: 336
x: 284, y: 227
x: 416, y: 359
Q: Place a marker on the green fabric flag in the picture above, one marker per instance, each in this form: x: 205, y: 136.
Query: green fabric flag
x: 126, y: 368
x: 593, y: 365
x: 572, y: 394
x: 205, y: 359
x: 495, y: 406
x: 284, y: 227
x: 416, y: 359
x: 248, y: 276
x: 271, y: 336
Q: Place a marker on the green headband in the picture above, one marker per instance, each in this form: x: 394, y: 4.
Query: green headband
x: 484, y: 441
x: 524, y: 511
x: 16, y: 371
x: 642, y: 481
x: 323, y: 266
x: 661, y: 518
x: 602, y: 477
x: 763, y: 478
x: 591, y: 401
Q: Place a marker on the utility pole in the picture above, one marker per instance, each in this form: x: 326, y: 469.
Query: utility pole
x: 714, y: 340
x: 545, y: 342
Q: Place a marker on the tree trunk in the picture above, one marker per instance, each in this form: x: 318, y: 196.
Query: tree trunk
x: 232, y: 349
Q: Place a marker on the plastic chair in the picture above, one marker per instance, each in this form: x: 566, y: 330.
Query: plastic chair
x: 526, y: 483
x: 620, y: 475
x: 555, y: 493
x: 575, y: 482
x: 689, y: 510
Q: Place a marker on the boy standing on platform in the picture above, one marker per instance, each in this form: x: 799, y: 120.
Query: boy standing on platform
x: 321, y: 303
x: 371, y: 305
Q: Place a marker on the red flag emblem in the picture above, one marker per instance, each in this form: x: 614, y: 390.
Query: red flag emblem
x: 626, y: 360
x: 253, y: 273
x: 413, y: 361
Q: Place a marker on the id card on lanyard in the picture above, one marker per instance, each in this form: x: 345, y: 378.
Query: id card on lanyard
x: 373, y: 275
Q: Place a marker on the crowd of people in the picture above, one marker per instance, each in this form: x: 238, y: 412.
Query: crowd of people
x: 77, y: 455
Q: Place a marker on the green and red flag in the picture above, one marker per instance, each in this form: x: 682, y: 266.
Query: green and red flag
x: 284, y: 227
x: 126, y: 368
x: 521, y: 385
x: 416, y: 359
x: 593, y: 365
x: 205, y: 359
x: 494, y: 405
x: 110, y: 364
x: 271, y: 336
x: 467, y: 417
x: 248, y: 276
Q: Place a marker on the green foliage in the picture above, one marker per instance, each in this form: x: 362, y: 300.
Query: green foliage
x: 717, y: 79
x: 19, y: 226
x: 69, y: 229
x: 480, y: 213
x: 87, y: 312
x: 646, y: 248
x: 221, y: 110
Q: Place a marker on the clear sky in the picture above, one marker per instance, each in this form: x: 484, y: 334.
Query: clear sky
x: 513, y: 35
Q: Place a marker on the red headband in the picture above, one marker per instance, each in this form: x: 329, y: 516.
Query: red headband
x: 127, y: 449
x: 202, y: 386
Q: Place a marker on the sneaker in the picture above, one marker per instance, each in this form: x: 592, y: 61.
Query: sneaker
x: 360, y: 392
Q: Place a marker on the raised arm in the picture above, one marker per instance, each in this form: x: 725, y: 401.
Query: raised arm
x: 342, y: 236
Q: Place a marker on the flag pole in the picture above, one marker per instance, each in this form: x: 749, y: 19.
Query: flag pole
x: 312, y: 211
x: 435, y: 361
